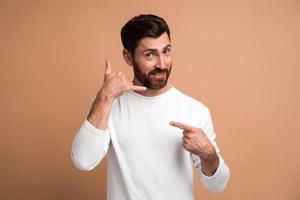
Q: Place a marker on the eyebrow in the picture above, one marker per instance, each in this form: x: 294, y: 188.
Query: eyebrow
x: 169, y: 45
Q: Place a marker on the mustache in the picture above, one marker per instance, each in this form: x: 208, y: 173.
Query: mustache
x: 158, y: 70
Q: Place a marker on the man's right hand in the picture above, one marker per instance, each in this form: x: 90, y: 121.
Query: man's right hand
x: 114, y: 85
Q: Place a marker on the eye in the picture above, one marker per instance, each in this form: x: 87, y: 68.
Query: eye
x: 149, y: 55
x: 167, y: 51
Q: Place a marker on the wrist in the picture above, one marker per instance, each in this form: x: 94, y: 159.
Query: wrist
x: 210, y: 163
x: 105, y: 97
x: 101, y: 105
x: 209, y: 153
x: 99, y: 113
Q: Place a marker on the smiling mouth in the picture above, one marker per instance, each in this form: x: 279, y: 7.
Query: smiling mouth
x: 158, y: 74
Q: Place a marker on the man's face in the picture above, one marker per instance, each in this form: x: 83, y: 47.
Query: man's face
x: 152, y: 62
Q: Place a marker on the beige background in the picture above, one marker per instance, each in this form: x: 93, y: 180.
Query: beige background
x: 240, y: 58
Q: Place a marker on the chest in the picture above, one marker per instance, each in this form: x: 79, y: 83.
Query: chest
x: 145, y: 131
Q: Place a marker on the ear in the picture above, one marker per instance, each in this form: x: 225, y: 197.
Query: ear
x: 127, y: 57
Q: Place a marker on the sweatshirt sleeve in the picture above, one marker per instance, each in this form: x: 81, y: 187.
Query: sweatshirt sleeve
x: 218, y: 181
x: 89, y: 146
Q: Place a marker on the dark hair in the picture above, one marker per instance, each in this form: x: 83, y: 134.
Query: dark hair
x: 145, y: 25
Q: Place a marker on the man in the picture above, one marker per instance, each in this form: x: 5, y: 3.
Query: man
x: 153, y: 133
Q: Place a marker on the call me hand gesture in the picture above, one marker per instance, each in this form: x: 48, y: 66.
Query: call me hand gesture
x: 114, y: 85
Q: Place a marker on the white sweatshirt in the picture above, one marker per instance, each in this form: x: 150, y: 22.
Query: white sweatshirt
x: 145, y: 158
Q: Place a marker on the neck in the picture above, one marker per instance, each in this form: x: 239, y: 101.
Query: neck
x: 150, y: 92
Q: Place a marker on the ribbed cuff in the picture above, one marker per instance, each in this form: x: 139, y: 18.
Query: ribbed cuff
x: 218, y: 181
x: 93, y: 129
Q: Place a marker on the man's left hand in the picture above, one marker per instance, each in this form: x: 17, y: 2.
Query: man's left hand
x: 195, y: 141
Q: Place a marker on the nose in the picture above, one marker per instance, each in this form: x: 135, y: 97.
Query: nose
x: 161, y: 63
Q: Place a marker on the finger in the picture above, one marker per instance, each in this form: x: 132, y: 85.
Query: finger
x: 107, y: 67
x: 182, y: 126
x: 138, y: 88
x: 184, y: 145
x: 184, y: 139
x: 186, y: 136
x: 187, y: 133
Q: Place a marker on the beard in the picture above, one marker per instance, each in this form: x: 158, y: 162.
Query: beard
x: 148, y: 80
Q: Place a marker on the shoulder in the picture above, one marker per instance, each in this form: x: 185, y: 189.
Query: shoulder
x: 194, y: 111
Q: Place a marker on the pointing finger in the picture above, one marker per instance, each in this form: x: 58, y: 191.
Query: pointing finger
x: 182, y: 126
